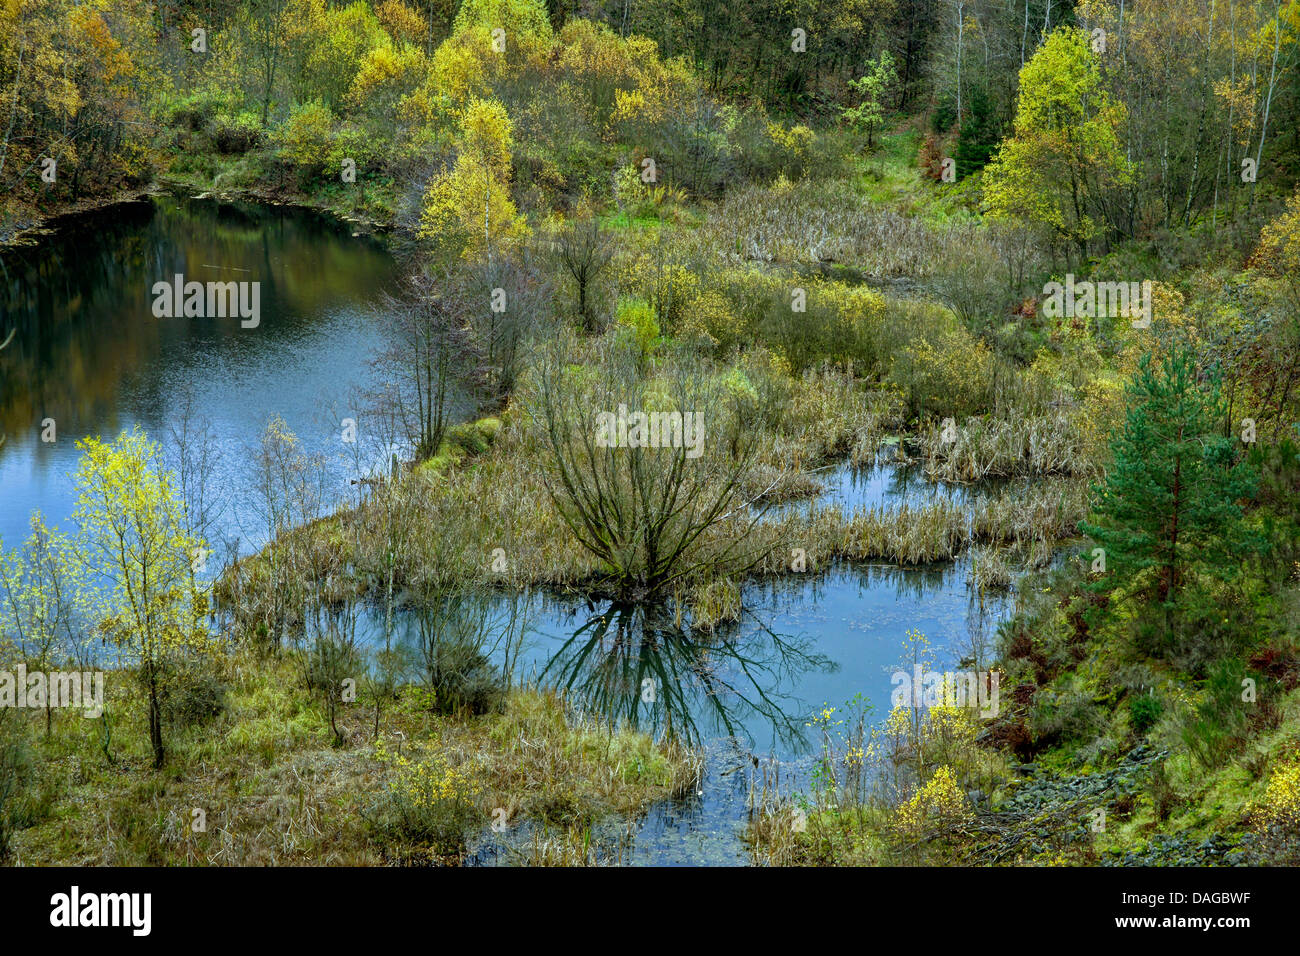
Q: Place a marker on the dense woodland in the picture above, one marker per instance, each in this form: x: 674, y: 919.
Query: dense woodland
x: 835, y: 227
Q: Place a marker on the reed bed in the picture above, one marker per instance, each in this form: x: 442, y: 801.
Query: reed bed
x: 819, y: 222
x: 714, y: 603
x: 989, y: 570
x: 1041, y: 514
x: 1018, y: 445
x: 907, y: 534
x: 1030, y: 519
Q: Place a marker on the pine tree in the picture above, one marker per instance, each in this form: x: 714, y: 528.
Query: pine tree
x: 979, y: 135
x: 1170, y: 508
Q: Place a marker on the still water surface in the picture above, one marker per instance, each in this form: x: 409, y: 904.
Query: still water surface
x: 90, y: 354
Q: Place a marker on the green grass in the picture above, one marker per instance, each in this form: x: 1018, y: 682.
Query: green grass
x: 890, y: 176
x: 276, y: 791
x: 463, y: 441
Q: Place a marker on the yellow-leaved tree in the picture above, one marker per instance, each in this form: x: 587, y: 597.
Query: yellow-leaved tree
x: 42, y: 597
x: 469, y: 209
x: 1278, y: 254
x: 490, y: 39
x: 132, y: 532
x: 1065, y: 149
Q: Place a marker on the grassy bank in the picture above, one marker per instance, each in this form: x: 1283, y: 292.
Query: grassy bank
x: 254, y: 777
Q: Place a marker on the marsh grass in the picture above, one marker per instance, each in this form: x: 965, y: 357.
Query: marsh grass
x: 714, y: 603
x: 1029, y: 520
x: 989, y: 570
x: 275, y: 791
x: 1017, y: 445
x: 572, y: 846
x: 815, y: 222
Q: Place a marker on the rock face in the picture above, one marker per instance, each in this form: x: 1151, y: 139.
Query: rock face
x: 1050, y: 813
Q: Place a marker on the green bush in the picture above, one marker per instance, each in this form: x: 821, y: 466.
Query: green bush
x: 979, y: 137
x: 1067, y: 711
x: 363, y: 147
x: 1144, y: 710
x: 198, y: 110
x: 1216, y: 727
x: 946, y: 376
x: 638, y: 325
x: 192, y: 695
x: 237, y: 134
x: 945, y: 112
x: 462, y: 679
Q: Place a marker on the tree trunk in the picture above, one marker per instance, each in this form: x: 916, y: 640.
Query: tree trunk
x: 155, y: 718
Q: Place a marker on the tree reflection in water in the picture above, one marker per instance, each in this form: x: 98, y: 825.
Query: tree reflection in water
x: 643, y: 666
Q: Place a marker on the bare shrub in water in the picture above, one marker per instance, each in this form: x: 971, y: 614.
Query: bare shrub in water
x: 644, y: 512
x: 451, y: 633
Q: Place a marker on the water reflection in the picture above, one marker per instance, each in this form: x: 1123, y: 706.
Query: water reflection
x: 638, y: 665
x: 745, y: 694
x: 89, y: 353
x: 801, y: 642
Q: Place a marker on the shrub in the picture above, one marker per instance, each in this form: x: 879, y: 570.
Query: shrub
x: 193, y: 695
x: 1067, y: 710
x: 945, y: 112
x: 710, y: 323
x: 330, y: 661
x: 939, y: 803
x: 307, y: 135
x: 635, y: 199
x: 462, y: 679
x: 841, y: 324
x: 236, y: 134
x: 973, y: 284
x: 451, y: 630
x: 1164, y: 797
x: 429, y: 804
x: 196, y: 111
x: 1144, y: 710
x: 361, y: 146
x: 930, y: 158
x: 1215, y: 729
x: 637, y: 323
x: 946, y: 375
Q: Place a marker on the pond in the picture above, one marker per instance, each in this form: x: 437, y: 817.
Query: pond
x: 746, y: 694
x: 90, y: 354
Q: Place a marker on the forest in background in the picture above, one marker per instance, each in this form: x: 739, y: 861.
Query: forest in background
x: 279, y: 93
